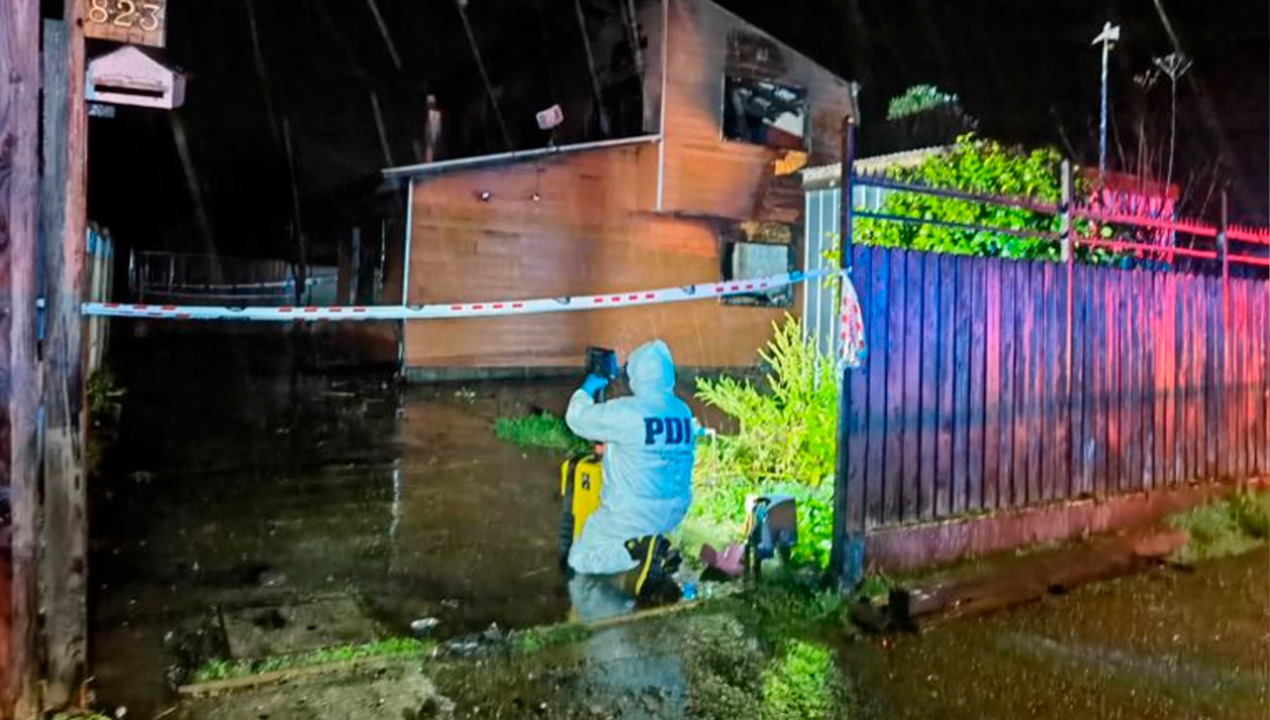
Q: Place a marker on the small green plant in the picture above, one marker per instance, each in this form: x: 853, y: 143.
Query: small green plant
x: 785, y: 442
x: 798, y: 685
x: 104, y: 393
x: 540, y: 430
x: 534, y: 640
x: 1228, y: 526
x: 219, y: 669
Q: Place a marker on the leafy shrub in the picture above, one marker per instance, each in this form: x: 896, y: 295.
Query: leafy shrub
x: 785, y: 442
x: 983, y: 167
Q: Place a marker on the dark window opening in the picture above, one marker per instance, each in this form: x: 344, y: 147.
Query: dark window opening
x: 744, y: 260
x: 764, y: 113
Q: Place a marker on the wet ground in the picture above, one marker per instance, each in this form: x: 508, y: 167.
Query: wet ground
x: 246, y: 503
x: 1162, y: 644
x: 242, y: 516
x: 243, y: 512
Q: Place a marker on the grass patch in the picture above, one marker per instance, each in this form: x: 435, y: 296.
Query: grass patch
x: 540, y: 430
x: 1229, y: 526
x: 534, y: 640
x: 218, y: 669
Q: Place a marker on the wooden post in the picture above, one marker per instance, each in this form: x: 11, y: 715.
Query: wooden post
x: 846, y: 556
x: 19, y: 130
x: 1068, y: 239
x: 65, y: 533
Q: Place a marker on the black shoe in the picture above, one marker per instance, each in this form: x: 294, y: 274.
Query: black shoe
x: 651, y: 552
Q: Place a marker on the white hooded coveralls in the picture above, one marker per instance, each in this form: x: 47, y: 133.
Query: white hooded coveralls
x: 647, y: 467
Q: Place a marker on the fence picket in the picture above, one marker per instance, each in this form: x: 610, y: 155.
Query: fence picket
x: 877, y: 329
x: 914, y: 425
x: 1006, y: 496
x: 961, y: 385
x: 991, y: 383
x: 928, y: 410
x: 858, y: 427
x: 896, y: 427
x: 975, y: 431
x: 944, y: 454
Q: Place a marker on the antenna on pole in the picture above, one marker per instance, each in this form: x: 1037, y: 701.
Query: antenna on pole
x: 1109, y: 36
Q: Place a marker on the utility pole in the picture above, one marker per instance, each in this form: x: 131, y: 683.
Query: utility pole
x: 64, y: 567
x: 19, y: 229
x: 1109, y: 36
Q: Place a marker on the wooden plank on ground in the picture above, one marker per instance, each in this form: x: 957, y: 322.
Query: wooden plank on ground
x: 961, y: 386
x: 991, y: 383
x: 978, y: 353
x: 896, y: 425
x: 877, y: 329
x: 928, y: 410
x: 913, y: 422
x: 1006, y: 397
x: 944, y: 448
x: 858, y: 427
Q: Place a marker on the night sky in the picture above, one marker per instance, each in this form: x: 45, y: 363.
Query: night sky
x: 1026, y: 70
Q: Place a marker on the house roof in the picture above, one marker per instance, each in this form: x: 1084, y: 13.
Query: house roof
x: 441, y: 166
x: 831, y: 175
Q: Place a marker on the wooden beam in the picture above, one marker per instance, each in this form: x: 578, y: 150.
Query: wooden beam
x: 19, y: 120
x: 64, y: 566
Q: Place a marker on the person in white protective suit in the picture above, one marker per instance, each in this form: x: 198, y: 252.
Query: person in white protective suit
x: 649, y: 444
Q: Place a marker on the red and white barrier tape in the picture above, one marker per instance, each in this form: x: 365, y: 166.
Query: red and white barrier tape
x: 451, y: 310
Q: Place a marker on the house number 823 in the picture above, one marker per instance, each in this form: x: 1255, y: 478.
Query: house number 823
x: 125, y: 14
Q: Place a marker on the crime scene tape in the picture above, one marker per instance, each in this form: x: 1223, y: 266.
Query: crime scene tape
x: 313, y: 313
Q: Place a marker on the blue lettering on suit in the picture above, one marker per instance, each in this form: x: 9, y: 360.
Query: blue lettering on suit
x: 671, y: 430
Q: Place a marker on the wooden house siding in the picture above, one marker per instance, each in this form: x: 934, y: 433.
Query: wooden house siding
x: 589, y: 221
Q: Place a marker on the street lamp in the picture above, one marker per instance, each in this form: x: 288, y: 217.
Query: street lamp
x: 1108, y: 37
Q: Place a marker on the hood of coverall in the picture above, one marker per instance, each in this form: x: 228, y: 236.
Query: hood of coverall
x: 651, y: 370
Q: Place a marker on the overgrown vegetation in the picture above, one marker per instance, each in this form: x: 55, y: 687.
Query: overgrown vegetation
x: 1229, y: 526
x: 984, y: 167
x: 218, y: 669
x: 540, y: 430
x: 785, y: 441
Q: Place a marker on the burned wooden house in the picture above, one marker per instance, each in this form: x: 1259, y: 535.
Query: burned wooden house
x: 702, y: 185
